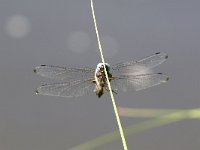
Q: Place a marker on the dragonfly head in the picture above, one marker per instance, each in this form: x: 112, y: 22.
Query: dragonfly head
x: 100, y: 67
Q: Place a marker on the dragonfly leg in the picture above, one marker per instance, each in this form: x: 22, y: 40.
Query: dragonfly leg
x: 112, y: 90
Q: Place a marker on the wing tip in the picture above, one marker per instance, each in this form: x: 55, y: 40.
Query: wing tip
x: 167, y: 78
x: 36, y: 92
x: 162, y: 53
x: 39, y: 90
x: 35, y: 70
x: 164, y: 75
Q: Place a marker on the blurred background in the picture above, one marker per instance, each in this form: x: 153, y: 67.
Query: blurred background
x: 62, y: 33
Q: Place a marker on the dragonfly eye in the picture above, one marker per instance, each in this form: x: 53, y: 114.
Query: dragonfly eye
x: 101, y: 68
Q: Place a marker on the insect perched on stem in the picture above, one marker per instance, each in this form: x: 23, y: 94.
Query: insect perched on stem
x: 126, y: 76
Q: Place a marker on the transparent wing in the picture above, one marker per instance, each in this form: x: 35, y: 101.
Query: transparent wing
x: 153, y: 60
x: 68, y: 89
x: 57, y: 72
x: 137, y: 82
x: 143, y: 65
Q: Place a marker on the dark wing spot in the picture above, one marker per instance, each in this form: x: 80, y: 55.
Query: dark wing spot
x: 36, y: 91
x: 167, y: 78
x: 34, y: 70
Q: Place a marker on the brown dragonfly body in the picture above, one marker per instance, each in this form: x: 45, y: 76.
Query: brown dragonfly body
x: 100, y: 79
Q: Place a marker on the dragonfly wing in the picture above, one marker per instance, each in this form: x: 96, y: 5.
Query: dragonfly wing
x: 153, y: 60
x: 137, y: 82
x: 68, y: 89
x: 56, y: 72
x: 141, y: 66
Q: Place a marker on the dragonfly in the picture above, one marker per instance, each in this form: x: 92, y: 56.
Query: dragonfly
x: 124, y: 76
